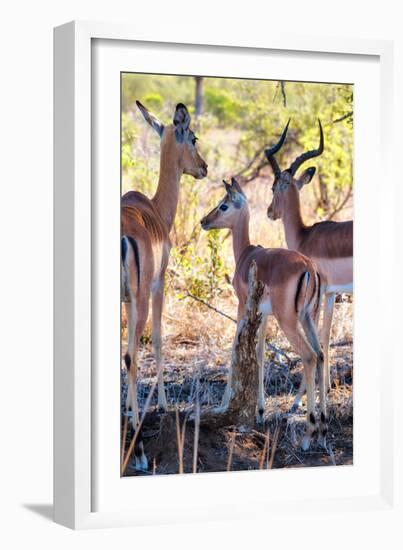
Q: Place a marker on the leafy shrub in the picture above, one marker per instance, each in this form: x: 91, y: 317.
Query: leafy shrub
x: 201, y: 274
x: 153, y: 101
x: 222, y: 104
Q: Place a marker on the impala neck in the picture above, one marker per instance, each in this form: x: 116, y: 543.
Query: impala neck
x: 240, y: 234
x: 167, y: 195
x: 292, y: 219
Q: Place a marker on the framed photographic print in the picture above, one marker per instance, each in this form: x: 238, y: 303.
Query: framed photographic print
x: 207, y: 340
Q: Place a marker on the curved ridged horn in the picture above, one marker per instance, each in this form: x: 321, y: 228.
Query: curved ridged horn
x: 273, y: 150
x: 309, y: 154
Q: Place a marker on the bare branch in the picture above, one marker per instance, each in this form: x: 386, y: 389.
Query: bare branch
x: 341, y: 205
x: 280, y: 352
x: 347, y: 115
x: 250, y: 163
x: 256, y: 173
x: 189, y: 295
x: 282, y: 86
x: 270, y: 346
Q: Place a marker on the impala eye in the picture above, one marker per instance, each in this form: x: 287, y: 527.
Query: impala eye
x: 223, y: 207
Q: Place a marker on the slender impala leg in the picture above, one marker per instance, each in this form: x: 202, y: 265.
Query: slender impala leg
x: 300, y: 393
x: 322, y: 386
x: 308, y: 357
x: 260, y: 349
x: 302, y: 386
x: 325, y: 334
x: 137, y: 312
x: 131, y: 362
x: 311, y: 332
x: 142, y: 315
x: 323, y: 411
x: 227, y: 392
x: 157, y: 304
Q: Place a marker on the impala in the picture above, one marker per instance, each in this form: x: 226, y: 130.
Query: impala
x: 291, y: 295
x: 145, y: 228
x: 329, y: 244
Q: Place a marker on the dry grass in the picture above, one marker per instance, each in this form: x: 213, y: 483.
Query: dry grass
x: 197, y: 346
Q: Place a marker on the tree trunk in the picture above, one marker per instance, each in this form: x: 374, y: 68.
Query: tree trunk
x: 198, y: 96
x: 241, y: 410
x: 323, y: 201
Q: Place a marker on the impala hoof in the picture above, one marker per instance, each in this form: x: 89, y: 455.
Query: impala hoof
x: 260, y: 416
x: 294, y: 408
x: 322, y: 442
x: 141, y: 463
x: 162, y: 403
x: 296, y: 405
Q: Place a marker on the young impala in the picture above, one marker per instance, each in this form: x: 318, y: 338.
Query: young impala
x: 329, y: 244
x: 145, y: 227
x: 291, y: 294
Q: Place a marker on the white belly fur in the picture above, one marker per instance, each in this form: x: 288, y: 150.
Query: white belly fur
x: 338, y: 273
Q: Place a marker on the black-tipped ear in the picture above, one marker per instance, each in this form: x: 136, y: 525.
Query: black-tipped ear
x: 235, y: 193
x: 306, y: 177
x: 236, y: 186
x: 227, y: 186
x: 181, y: 121
x: 151, y: 119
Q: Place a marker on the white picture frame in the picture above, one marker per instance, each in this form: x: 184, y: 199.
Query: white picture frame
x: 86, y: 494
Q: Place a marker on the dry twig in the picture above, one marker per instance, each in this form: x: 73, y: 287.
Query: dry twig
x: 274, y: 447
x: 231, y: 451
x: 122, y: 453
x: 138, y: 427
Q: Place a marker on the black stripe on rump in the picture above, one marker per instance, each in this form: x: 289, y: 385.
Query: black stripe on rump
x: 314, y: 288
x: 123, y: 245
x: 136, y: 256
x: 319, y: 289
x: 299, y: 286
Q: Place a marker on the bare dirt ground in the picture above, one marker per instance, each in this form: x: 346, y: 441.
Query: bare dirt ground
x: 198, y: 373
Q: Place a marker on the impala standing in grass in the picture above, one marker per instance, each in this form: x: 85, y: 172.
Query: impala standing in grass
x: 329, y: 244
x: 145, y: 227
x: 291, y: 294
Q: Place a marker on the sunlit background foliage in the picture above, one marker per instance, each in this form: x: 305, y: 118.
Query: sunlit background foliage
x: 234, y: 120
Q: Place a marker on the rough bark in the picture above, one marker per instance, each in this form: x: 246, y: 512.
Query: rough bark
x: 241, y: 410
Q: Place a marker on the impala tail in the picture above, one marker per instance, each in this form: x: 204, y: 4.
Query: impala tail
x: 130, y: 268
x: 308, y: 293
x: 307, y: 303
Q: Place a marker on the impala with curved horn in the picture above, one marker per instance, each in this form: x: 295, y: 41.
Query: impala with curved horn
x: 291, y: 295
x: 145, y: 226
x: 329, y: 244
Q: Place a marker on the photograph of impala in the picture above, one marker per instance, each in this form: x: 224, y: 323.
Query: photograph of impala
x: 236, y: 274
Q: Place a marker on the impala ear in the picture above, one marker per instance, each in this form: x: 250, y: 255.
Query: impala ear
x: 236, y: 186
x: 235, y: 193
x: 306, y: 177
x: 151, y: 119
x: 228, y: 187
x: 181, y: 121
